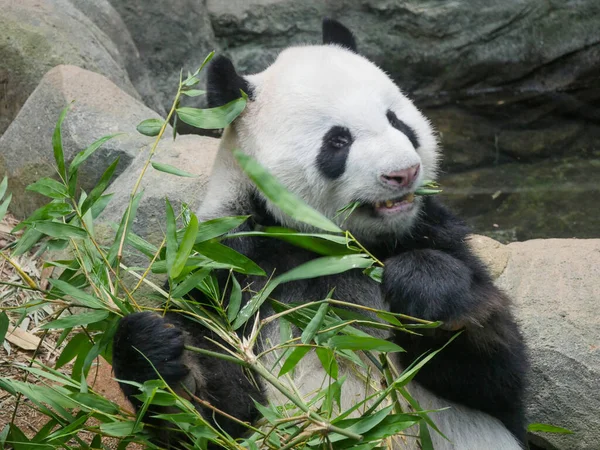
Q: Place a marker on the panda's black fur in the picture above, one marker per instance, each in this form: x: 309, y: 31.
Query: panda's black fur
x: 430, y: 272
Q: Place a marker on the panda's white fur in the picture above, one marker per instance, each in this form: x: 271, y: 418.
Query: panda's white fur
x: 302, y: 95
x: 305, y: 92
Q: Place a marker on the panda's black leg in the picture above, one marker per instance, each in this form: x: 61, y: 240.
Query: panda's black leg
x: 162, y: 341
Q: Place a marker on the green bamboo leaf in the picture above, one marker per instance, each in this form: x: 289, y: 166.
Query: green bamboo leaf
x: 235, y: 299
x: 545, y: 428
x: 166, y: 168
x: 4, y: 206
x: 190, y: 283
x: 85, y: 154
x: 28, y: 240
x: 82, y: 297
x: 48, y: 187
x: 425, y: 437
x: 100, y: 204
x: 364, y: 343
x: 171, y: 236
x: 72, y: 349
x: 220, y: 253
x: 57, y: 146
x: 294, y: 358
x: 322, y: 244
x: 121, y: 429
x: 216, y: 227
x: 212, y: 118
x: 3, y: 186
x: 77, y: 320
x: 327, y: 358
x: 124, y: 227
x: 142, y: 245
x: 59, y: 230
x: 4, y: 321
x: 194, y: 92
x: 150, y: 127
x: 319, y: 267
x: 276, y: 192
x: 185, y: 248
x: 314, y: 325
x: 100, y: 187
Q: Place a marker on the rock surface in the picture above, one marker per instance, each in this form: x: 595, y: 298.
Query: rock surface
x: 107, y: 19
x: 554, y: 283
x: 100, y: 109
x: 194, y: 154
x: 170, y: 37
x: 37, y: 35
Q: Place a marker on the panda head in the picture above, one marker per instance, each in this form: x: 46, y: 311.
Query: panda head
x: 334, y: 129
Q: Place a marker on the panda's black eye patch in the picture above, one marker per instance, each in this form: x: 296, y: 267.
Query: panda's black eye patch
x: 403, y: 128
x: 334, y: 152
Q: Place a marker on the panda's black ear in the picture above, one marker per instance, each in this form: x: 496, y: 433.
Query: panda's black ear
x: 223, y: 83
x: 336, y: 33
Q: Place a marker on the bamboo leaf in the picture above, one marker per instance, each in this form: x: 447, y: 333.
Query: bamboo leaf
x: 4, y: 206
x: 166, y: 168
x: 319, y: 267
x: 216, y: 227
x: 77, y: 320
x: 59, y: 230
x: 194, y: 92
x: 82, y: 297
x: 187, y: 243
x: 100, y: 187
x: 220, y: 253
x: 291, y: 361
x: 3, y: 186
x: 545, y: 428
x: 48, y: 187
x: 57, y: 146
x: 150, y: 127
x: 190, y: 283
x: 212, y: 118
x: 3, y: 325
x: 235, y: 299
x: 85, y: 154
x: 364, y: 343
x: 314, y: 325
x: 171, y: 236
x: 276, y: 192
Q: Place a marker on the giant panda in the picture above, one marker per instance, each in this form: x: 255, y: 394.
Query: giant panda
x: 334, y: 129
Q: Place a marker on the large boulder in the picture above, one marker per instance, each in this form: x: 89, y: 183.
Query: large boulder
x: 170, y: 37
x: 517, y: 202
x: 37, y: 35
x: 193, y: 154
x: 555, y: 286
x: 107, y: 19
x: 100, y: 108
x: 499, y: 79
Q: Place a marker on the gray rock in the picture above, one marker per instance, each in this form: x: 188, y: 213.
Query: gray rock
x: 100, y: 109
x: 554, y: 283
x: 194, y: 154
x: 107, y: 19
x: 36, y: 36
x: 554, y: 198
x: 170, y: 37
x: 501, y: 80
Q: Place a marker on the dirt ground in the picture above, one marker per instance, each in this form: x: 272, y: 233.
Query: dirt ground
x: 21, y: 346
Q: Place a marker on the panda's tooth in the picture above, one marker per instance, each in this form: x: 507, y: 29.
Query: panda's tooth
x: 410, y: 197
x: 389, y: 203
x: 377, y: 204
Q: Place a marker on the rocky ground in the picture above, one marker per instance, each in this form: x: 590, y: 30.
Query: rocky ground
x: 513, y: 88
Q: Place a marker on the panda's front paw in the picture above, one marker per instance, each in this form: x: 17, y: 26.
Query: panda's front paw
x: 428, y: 284
x: 144, y: 344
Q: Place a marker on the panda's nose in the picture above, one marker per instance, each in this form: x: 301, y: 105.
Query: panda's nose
x: 401, y: 178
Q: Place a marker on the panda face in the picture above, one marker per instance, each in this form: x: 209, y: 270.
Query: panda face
x: 335, y: 129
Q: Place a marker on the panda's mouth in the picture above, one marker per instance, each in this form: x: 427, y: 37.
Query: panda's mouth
x: 397, y: 205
